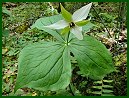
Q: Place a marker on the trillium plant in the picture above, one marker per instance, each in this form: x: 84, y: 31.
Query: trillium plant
x: 46, y: 65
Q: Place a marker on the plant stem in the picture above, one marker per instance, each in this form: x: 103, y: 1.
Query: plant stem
x: 102, y: 22
x: 71, y: 90
x: 68, y: 38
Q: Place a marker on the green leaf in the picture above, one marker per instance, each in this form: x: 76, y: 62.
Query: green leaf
x: 97, y: 92
x: 65, y: 30
x: 97, y: 82
x: 63, y: 93
x: 107, y: 94
x: 82, y: 23
x: 93, y: 58
x: 4, y: 10
x: 107, y: 86
x: 97, y: 87
x: 5, y: 32
x: 67, y: 16
x: 87, y: 27
x: 44, y: 66
x: 108, y: 81
x: 47, y: 21
x: 107, y: 91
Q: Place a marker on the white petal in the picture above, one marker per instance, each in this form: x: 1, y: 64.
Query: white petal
x: 77, y: 31
x: 58, y: 25
x: 81, y: 13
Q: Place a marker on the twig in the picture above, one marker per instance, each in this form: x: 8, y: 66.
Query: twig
x: 102, y: 22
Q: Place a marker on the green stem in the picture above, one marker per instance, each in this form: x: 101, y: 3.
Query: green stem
x: 68, y: 38
x: 70, y: 88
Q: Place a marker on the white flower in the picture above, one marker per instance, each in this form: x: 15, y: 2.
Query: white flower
x: 72, y: 23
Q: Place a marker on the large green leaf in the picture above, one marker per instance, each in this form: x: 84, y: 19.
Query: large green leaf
x: 44, y: 66
x: 93, y: 58
x: 47, y: 21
